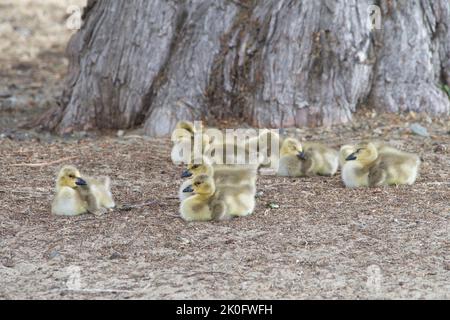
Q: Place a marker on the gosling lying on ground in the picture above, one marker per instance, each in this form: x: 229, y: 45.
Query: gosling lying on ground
x: 77, y: 195
x: 234, y: 175
x: 369, y: 166
x: 202, y: 206
x: 311, y: 159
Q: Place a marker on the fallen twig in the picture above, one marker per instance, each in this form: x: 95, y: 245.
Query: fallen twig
x: 205, y: 273
x: 44, y: 164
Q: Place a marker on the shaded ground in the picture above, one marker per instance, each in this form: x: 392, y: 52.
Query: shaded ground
x: 324, y: 241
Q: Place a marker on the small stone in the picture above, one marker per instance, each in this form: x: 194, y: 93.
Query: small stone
x: 419, y: 130
x: 184, y: 241
x: 120, y: 133
x: 115, y: 256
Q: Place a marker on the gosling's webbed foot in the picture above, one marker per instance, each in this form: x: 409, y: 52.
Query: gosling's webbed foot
x: 100, y: 212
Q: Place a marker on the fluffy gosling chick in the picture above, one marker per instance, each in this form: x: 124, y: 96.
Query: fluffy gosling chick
x: 368, y: 166
x: 184, y: 142
x: 202, y: 206
x: 348, y: 149
x: 68, y: 201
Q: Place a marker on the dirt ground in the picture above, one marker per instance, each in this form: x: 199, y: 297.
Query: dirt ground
x: 324, y: 241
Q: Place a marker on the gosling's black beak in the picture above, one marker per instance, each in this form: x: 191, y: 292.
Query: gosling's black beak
x: 351, y: 157
x: 80, y: 182
x: 302, y: 155
x: 186, y: 174
x: 188, y: 189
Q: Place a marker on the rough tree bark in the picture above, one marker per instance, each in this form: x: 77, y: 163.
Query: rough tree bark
x: 272, y: 63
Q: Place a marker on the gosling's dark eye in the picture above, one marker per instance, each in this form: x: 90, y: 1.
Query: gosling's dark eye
x: 195, y: 166
x: 71, y: 176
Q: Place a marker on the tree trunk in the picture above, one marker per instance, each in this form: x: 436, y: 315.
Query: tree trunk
x: 271, y: 63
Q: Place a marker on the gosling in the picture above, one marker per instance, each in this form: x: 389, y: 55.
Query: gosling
x: 344, y: 152
x: 368, y: 166
x: 239, y: 200
x: 265, y: 142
